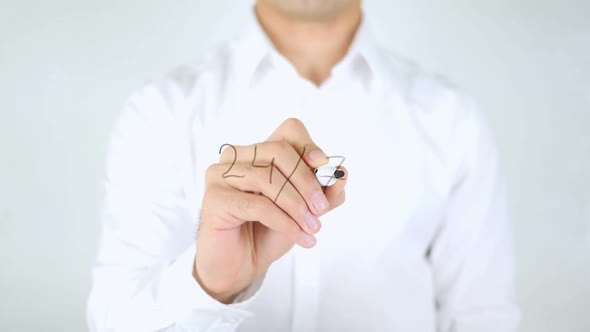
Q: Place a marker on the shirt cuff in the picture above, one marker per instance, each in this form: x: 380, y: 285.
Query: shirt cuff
x: 188, y: 304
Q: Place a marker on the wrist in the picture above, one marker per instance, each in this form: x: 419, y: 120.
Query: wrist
x: 221, y: 294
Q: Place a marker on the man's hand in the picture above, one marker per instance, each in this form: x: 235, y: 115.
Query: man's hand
x: 256, y: 212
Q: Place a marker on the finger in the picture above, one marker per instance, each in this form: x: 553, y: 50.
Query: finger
x: 336, y: 193
x: 241, y: 207
x: 279, y: 191
x: 286, y: 159
x: 293, y: 131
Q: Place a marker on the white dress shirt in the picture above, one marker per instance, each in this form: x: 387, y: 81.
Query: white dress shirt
x: 422, y: 242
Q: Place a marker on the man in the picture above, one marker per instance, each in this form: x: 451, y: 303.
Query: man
x: 421, y: 243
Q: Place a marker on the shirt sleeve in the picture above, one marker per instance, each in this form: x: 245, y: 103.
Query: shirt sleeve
x: 143, y: 276
x: 472, y: 253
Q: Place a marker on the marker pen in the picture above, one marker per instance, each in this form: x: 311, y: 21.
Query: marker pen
x: 328, y: 174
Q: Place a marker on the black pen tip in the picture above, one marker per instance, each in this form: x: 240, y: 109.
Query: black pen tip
x: 338, y: 174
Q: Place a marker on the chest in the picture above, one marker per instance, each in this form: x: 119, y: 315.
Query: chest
x: 391, y: 191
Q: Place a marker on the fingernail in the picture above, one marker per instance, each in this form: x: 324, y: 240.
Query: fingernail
x: 312, y: 222
x: 308, y: 240
x: 317, y: 156
x: 319, y: 201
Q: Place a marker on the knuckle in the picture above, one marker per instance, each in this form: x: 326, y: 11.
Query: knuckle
x: 278, y: 148
x: 211, y: 172
x: 293, y: 124
x: 282, y: 147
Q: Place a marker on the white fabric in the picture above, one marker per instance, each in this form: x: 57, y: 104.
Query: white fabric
x: 422, y: 242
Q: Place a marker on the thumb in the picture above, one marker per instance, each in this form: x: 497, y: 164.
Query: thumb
x: 293, y: 131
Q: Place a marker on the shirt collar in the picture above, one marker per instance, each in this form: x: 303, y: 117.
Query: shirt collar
x: 255, y: 51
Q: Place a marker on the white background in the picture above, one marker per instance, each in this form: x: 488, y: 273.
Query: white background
x: 66, y: 66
